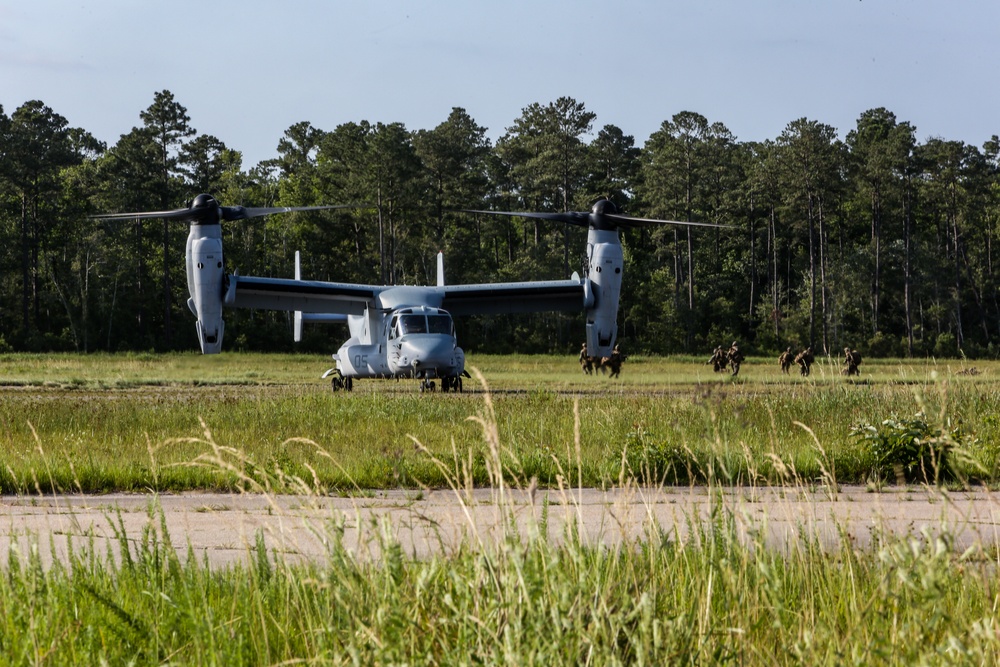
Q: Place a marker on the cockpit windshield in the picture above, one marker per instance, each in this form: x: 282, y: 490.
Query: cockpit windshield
x: 412, y: 324
x: 439, y: 324
x: 418, y: 323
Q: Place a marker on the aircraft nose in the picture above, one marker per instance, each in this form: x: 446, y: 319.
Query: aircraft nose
x: 430, y: 351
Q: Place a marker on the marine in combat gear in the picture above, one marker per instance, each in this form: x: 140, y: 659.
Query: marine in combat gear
x: 852, y: 359
x: 735, y: 358
x: 805, y: 360
x: 786, y: 359
x: 718, y: 359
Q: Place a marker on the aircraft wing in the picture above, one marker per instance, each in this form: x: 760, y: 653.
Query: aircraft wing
x: 526, y: 297
x: 307, y: 296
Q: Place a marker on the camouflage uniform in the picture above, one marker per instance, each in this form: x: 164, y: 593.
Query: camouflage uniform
x: 805, y: 361
x: 735, y: 358
x: 614, y: 362
x: 785, y: 360
x: 852, y: 359
x: 718, y: 360
x: 586, y: 363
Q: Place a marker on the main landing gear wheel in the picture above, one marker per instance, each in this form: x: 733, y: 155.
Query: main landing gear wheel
x: 338, y: 383
x: 451, y: 384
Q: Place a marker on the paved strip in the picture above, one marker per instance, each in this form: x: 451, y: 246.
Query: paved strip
x: 224, y: 528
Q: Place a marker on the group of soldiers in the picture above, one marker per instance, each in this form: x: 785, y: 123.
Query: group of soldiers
x: 805, y: 360
x: 731, y: 358
x: 603, y: 364
x: 725, y: 360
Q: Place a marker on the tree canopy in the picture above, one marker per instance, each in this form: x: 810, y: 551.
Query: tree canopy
x: 873, y: 240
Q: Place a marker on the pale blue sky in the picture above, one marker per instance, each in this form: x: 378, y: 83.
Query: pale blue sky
x: 246, y: 69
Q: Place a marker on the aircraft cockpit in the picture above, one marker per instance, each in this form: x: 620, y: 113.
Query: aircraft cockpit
x: 420, y: 320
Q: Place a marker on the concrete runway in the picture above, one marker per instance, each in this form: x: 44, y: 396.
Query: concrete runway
x: 224, y: 528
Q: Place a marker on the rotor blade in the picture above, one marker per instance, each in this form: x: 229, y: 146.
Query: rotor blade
x: 571, y: 217
x: 177, y: 214
x: 630, y: 221
x: 243, y: 213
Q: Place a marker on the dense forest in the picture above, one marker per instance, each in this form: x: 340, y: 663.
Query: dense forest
x: 873, y: 240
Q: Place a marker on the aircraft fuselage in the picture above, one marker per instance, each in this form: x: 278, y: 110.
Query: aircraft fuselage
x: 408, y: 342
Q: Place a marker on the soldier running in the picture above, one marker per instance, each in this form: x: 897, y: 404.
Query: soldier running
x: 614, y: 362
x: 735, y: 358
x: 805, y: 360
x: 718, y: 360
x: 852, y: 359
x: 786, y: 360
x: 586, y: 363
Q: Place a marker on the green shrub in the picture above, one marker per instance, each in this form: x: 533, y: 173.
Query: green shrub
x: 911, y: 449
x: 882, y: 346
x: 946, y: 346
x: 659, y: 462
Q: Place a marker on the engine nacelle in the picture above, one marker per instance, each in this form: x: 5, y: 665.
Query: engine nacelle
x: 605, y: 261
x: 206, y: 284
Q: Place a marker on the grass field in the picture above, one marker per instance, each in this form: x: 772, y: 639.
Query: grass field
x: 141, y: 422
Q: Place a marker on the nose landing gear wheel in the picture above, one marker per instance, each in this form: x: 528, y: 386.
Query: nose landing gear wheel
x: 426, y: 385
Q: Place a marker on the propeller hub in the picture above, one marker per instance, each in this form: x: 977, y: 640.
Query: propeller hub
x: 602, y: 206
x: 203, y: 200
x: 205, y: 210
x: 598, y: 213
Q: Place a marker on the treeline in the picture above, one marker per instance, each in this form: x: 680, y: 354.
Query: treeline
x: 873, y: 240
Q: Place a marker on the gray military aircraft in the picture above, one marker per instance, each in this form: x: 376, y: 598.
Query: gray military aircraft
x: 400, y: 331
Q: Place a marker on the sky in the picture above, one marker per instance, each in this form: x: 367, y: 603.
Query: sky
x: 247, y: 70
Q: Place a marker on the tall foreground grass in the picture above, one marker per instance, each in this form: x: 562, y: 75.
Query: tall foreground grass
x: 713, y: 597
x: 718, y: 600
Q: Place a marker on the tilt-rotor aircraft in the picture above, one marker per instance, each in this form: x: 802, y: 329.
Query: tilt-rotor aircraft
x: 400, y: 331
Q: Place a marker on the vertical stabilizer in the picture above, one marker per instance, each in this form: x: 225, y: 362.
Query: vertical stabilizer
x: 297, y: 333
x: 440, y: 269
